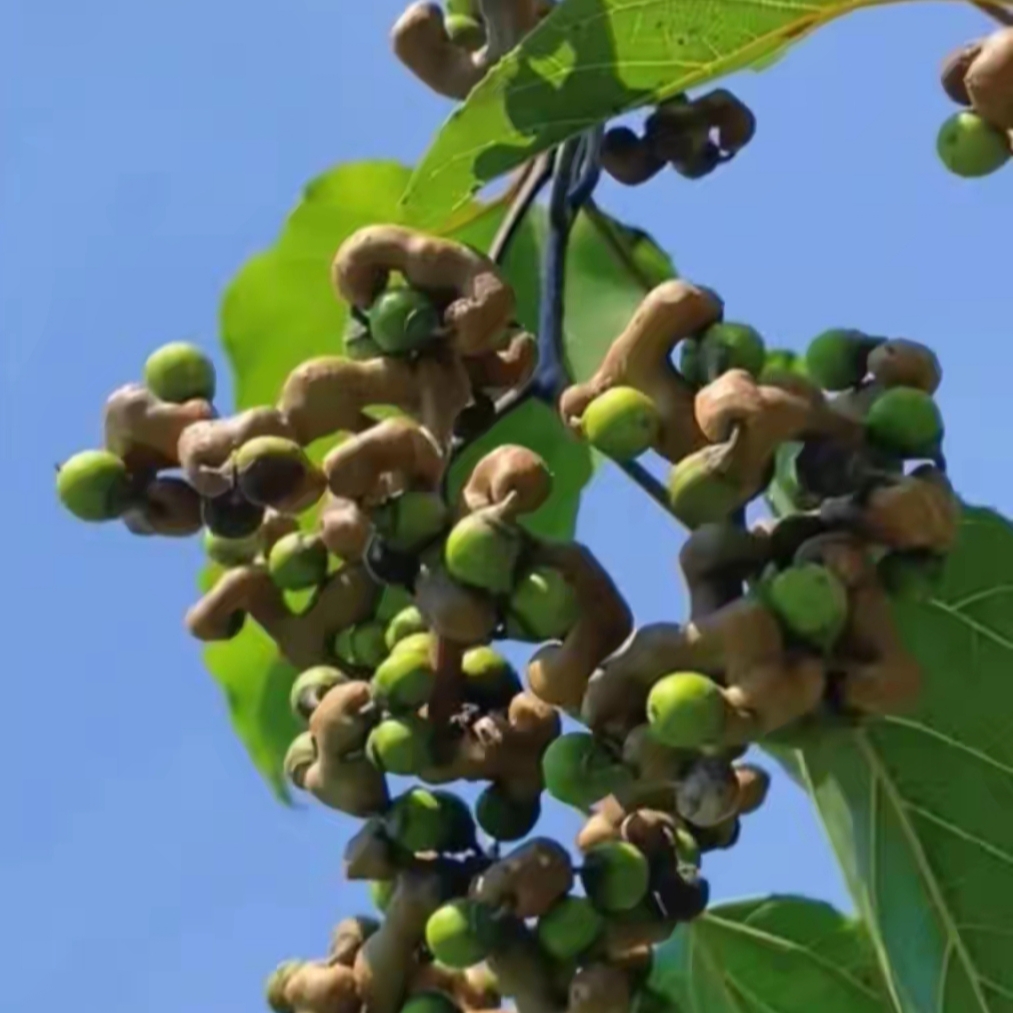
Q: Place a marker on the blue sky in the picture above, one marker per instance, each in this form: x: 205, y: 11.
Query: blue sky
x: 146, y: 150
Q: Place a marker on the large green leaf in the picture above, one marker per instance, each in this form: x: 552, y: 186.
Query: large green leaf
x: 280, y: 310
x: 778, y: 954
x: 590, y: 60
x: 919, y: 808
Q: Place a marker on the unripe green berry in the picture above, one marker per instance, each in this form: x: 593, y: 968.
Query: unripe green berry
x: 622, y: 423
x: 401, y: 746
x: 458, y: 825
x: 417, y: 642
x: 543, y: 606
x: 311, y: 686
x: 406, y: 623
x: 838, y: 358
x: 691, y: 363
x: 410, y: 520
x: 403, y: 681
x: 615, y: 875
x: 569, y: 928
x: 686, y: 710
x: 94, y: 485
x: 451, y: 938
x: 579, y: 771
x: 483, y: 553
x: 403, y: 320
x: 465, y: 31
x: 505, y: 818
x: 811, y: 602
x: 380, y: 893
x: 971, y: 147
x: 905, y: 421
x: 297, y: 561
x: 699, y: 493
x: 180, y: 372
x: 489, y: 679
x: 415, y: 821
x: 726, y: 346
x: 231, y: 551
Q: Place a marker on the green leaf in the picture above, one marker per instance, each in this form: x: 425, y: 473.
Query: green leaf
x: 591, y: 60
x: 280, y: 310
x: 779, y: 954
x: 918, y: 807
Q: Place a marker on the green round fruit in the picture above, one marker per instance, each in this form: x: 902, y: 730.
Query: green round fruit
x: 698, y: 493
x: 838, y: 358
x: 429, y: 1002
x: 622, y: 423
x: 489, y: 679
x: 231, y: 551
x: 310, y: 688
x: 393, y: 600
x: 403, y: 681
x: 451, y: 938
x: 810, y: 601
x: 569, y: 928
x: 415, y: 821
x: 380, y: 893
x: 369, y: 643
x: 180, y: 372
x: 403, y: 320
x: 691, y: 363
x: 726, y: 346
x: 458, y: 823
x: 269, y: 469
x: 483, y: 553
x: 94, y: 485
x: 410, y: 520
x: 971, y: 147
x: 543, y: 605
x: 686, y: 710
x: 406, y: 623
x: 400, y: 746
x: 905, y: 421
x: 579, y: 771
x: 419, y: 643
x: 615, y: 876
x: 297, y: 561
x: 465, y: 31
x: 504, y: 818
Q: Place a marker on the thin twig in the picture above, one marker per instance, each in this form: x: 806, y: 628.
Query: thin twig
x: 535, y: 177
x: 996, y: 11
x: 655, y: 489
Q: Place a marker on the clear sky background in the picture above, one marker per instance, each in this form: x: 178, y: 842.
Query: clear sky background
x: 146, y: 150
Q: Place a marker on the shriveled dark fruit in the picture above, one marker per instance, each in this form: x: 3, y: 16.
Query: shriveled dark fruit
x: 401, y: 746
x: 615, y: 876
x: 698, y: 492
x: 483, y: 553
x: 180, y: 372
x: 911, y: 576
x: 403, y: 681
x: 451, y: 938
x: 270, y: 469
x: 728, y: 345
x: 403, y: 320
x: 708, y: 792
x: 569, y: 928
x: 231, y: 551
x: 475, y: 419
x: 901, y: 363
x: 388, y: 566
x: 905, y: 421
x: 970, y: 147
x: 380, y: 893
x: 686, y: 710
x: 954, y: 70
x: 542, y: 607
x: 311, y: 686
x: 298, y: 561
x: 458, y: 823
x: 622, y: 423
x: 719, y: 837
x: 429, y: 1002
x: 231, y: 515
x: 490, y: 681
x: 358, y: 343
x: 406, y: 623
x: 411, y: 520
x: 579, y: 771
x: 838, y: 358
x: 94, y: 485
x: 505, y: 818
x: 811, y: 602
x: 415, y: 820
x: 465, y: 31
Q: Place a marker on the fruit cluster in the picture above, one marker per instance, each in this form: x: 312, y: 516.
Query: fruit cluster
x: 386, y: 594
x: 978, y: 140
